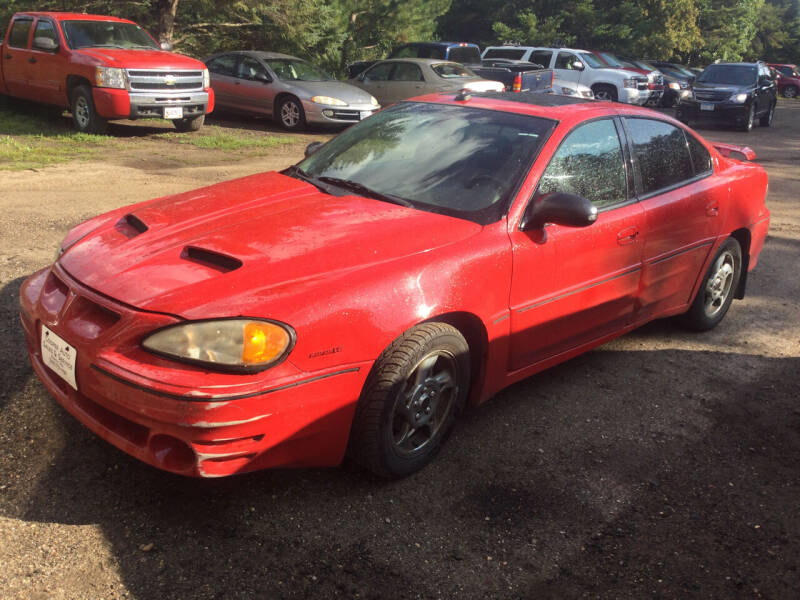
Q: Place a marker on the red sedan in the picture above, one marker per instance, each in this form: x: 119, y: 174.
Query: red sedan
x: 425, y: 258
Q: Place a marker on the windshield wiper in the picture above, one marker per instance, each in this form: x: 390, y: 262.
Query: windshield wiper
x: 362, y: 189
x: 298, y: 173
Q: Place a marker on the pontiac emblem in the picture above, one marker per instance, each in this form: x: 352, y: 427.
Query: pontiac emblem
x: 170, y: 79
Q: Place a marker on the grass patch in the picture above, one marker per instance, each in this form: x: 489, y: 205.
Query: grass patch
x: 232, y: 141
x: 34, y: 140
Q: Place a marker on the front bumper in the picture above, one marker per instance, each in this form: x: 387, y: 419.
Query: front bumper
x: 177, y: 417
x: 320, y: 114
x: 634, y: 96
x: 122, y: 104
x: 689, y: 108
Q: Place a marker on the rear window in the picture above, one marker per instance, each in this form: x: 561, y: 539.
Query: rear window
x: 464, y: 54
x: 19, y: 33
x: 512, y: 53
x: 452, y: 70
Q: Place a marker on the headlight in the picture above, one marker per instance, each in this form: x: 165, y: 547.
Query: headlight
x: 567, y: 91
x: 374, y: 101
x: 739, y: 98
x: 206, y: 79
x: 328, y: 100
x: 109, y: 77
x: 234, y: 344
x: 629, y: 83
x: 675, y: 86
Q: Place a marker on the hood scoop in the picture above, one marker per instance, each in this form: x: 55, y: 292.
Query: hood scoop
x: 130, y: 226
x: 213, y: 260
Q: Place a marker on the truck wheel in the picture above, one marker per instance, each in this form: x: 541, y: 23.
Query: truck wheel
x: 790, y: 91
x: 410, y: 400
x: 189, y: 123
x: 605, y: 92
x: 291, y: 115
x: 84, y: 114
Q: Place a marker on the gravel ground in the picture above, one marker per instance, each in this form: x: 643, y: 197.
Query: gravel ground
x: 661, y: 464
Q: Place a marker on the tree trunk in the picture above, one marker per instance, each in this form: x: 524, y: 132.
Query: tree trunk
x: 166, y: 20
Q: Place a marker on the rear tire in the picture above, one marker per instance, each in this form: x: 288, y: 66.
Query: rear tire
x: 84, y: 113
x: 717, y: 289
x: 605, y: 92
x: 766, y: 120
x: 189, y: 123
x: 790, y: 91
x: 410, y: 400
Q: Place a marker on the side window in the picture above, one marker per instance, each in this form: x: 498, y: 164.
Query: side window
x: 661, y: 152
x: 224, y: 65
x: 249, y: 68
x: 405, y: 52
x: 379, y: 72
x: 407, y: 72
x: 700, y: 156
x: 786, y: 71
x: 565, y: 60
x: 589, y: 163
x: 541, y: 57
x: 18, y: 38
x: 44, y: 29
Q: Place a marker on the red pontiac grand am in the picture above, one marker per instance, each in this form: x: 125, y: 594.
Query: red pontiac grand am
x: 427, y: 257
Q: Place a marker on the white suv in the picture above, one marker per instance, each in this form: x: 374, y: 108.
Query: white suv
x: 580, y: 66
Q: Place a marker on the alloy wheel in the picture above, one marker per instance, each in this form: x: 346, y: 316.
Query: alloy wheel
x: 719, y: 284
x: 290, y: 113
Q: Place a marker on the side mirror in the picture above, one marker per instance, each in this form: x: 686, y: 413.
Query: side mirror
x: 262, y: 77
x: 362, y: 76
x: 558, y: 208
x: 166, y: 46
x: 313, y: 147
x: 45, y: 43
x: 578, y: 65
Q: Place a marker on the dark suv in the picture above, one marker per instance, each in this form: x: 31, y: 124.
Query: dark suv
x: 734, y: 92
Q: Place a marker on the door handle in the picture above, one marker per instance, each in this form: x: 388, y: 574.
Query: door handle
x: 31, y: 60
x: 9, y: 57
x: 627, y: 236
x: 712, y: 209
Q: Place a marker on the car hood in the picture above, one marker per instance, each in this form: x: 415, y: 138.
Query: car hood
x: 264, y: 231
x: 141, y: 59
x: 336, y: 89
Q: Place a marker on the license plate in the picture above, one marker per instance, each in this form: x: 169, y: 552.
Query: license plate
x: 59, y: 356
x: 365, y: 114
x: 173, y: 112
x: 706, y: 106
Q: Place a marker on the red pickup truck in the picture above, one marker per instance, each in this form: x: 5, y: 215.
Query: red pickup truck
x: 101, y: 68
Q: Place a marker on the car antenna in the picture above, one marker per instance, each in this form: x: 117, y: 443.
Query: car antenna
x: 463, y: 96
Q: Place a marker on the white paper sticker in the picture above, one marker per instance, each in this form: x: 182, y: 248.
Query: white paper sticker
x: 59, y: 356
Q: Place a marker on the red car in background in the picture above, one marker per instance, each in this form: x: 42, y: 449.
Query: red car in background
x: 789, y: 80
x: 423, y: 259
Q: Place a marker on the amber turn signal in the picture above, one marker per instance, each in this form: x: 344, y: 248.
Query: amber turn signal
x: 263, y: 342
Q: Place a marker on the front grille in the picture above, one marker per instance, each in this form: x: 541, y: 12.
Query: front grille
x: 659, y: 80
x: 711, y: 95
x: 165, y: 81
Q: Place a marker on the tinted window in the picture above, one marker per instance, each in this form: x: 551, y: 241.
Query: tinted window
x: 407, y: 72
x: 661, y: 152
x: 468, y: 55
x: 589, y: 163
x: 512, y: 53
x: 223, y: 65
x: 541, y: 57
x: 44, y: 29
x: 454, y: 160
x: 379, y: 72
x: 19, y: 33
x: 250, y: 68
x: 106, y: 34
x: 565, y: 60
x: 700, y: 156
x: 729, y: 74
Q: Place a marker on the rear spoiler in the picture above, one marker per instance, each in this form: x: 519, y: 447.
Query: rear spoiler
x: 734, y: 151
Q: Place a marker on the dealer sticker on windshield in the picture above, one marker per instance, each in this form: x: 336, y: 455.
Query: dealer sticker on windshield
x: 59, y: 356
x: 173, y: 112
x: 707, y: 106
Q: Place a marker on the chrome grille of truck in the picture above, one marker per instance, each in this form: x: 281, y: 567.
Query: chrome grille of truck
x: 165, y: 81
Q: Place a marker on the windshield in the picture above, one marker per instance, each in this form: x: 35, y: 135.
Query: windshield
x: 287, y: 69
x: 611, y: 59
x: 729, y: 75
x: 453, y: 160
x: 593, y: 61
x: 452, y: 70
x: 106, y: 34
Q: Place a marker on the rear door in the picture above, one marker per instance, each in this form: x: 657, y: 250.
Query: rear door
x: 682, y: 202
x: 15, y: 57
x: 223, y: 80
x: 578, y: 285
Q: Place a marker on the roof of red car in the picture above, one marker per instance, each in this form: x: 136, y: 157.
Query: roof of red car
x: 70, y: 16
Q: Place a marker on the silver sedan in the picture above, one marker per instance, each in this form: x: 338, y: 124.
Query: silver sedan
x: 393, y: 80
x: 290, y: 90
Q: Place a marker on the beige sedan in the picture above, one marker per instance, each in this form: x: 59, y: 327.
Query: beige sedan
x: 398, y: 79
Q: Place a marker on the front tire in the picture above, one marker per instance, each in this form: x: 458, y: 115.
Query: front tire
x: 716, y: 292
x: 84, y: 113
x: 607, y: 93
x: 189, y: 123
x: 291, y: 115
x: 750, y: 119
x: 766, y: 120
x: 410, y: 400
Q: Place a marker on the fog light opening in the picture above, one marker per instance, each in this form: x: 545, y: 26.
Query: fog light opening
x: 171, y: 453
x: 327, y: 112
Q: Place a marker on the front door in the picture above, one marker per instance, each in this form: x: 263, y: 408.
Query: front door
x: 374, y: 81
x: 578, y: 284
x: 47, y: 67
x: 254, y: 87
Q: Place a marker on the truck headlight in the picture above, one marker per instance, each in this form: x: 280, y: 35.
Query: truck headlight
x: 630, y: 83
x: 328, y: 101
x: 206, y: 79
x: 567, y: 91
x: 110, y: 77
x: 739, y: 98
x: 227, y: 344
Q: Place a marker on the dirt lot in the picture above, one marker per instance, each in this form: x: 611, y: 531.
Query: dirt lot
x: 662, y: 464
